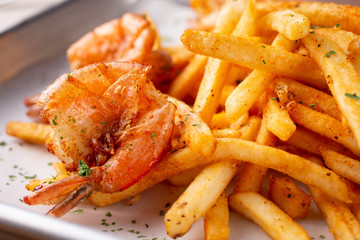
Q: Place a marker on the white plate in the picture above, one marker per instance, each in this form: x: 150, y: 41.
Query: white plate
x: 18, y: 159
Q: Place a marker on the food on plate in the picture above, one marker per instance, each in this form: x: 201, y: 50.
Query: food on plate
x: 270, y: 86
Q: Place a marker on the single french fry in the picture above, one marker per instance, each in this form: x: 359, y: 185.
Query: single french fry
x: 289, y: 197
x: 309, y: 141
x: 28, y: 131
x: 249, y: 90
x: 267, y: 215
x: 250, y: 129
x: 219, y: 121
x: 331, y: 13
x: 324, y: 125
x: 225, y: 94
x: 245, y: 94
x: 216, y: 71
x: 240, y: 122
x: 193, y: 72
x: 216, y: 220
x: 201, y: 194
x: 278, y: 120
x: 342, y: 78
x: 341, y: 37
x: 185, y: 178
x: 196, y: 133
x: 342, y: 165
x: 296, y: 167
x: 250, y: 54
x: 252, y: 175
x: 306, y: 95
x: 287, y: 22
x: 226, y: 132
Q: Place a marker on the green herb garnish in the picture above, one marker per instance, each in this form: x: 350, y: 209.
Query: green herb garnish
x: 313, y: 105
x: 153, y: 135
x: 353, y: 96
x: 78, y: 211
x: 84, y: 169
x: 328, y: 54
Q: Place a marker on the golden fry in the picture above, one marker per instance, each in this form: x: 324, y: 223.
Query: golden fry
x: 29, y: 132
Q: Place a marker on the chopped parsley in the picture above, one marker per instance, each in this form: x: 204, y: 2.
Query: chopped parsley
x: 2, y: 143
x: 146, y: 225
x: 162, y: 213
x: 84, y: 169
x: 133, y: 221
x: 322, y: 236
x: 108, y: 214
x: 68, y: 75
x: 78, y: 211
x: 196, y: 124
x: 153, y: 135
x: 300, y: 102
x: 337, y: 25
x: 54, y: 120
x: 313, y: 105
x: 353, y: 96
x: 263, y: 61
x: 328, y: 54
x: 104, y: 123
x: 174, y: 150
x: 274, y: 98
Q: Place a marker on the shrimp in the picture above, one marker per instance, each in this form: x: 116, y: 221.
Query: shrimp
x: 110, y: 117
x: 129, y: 38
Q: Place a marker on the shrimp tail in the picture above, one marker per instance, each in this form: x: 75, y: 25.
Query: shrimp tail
x: 79, y: 195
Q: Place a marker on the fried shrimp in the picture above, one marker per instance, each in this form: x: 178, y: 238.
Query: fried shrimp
x: 108, y: 117
x: 129, y: 38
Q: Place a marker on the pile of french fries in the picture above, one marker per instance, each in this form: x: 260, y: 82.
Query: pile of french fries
x: 276, y: 85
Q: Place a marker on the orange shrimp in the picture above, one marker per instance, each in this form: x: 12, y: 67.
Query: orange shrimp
x: 109, y: 116
x: 129, y: 38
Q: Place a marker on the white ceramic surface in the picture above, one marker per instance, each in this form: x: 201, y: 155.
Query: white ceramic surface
x: 18, y: 159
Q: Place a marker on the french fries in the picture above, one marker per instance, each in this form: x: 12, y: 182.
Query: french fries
x: 342, y: 78
x: 201, y: 194
x: 267, y: 215
x: 216, y: 71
